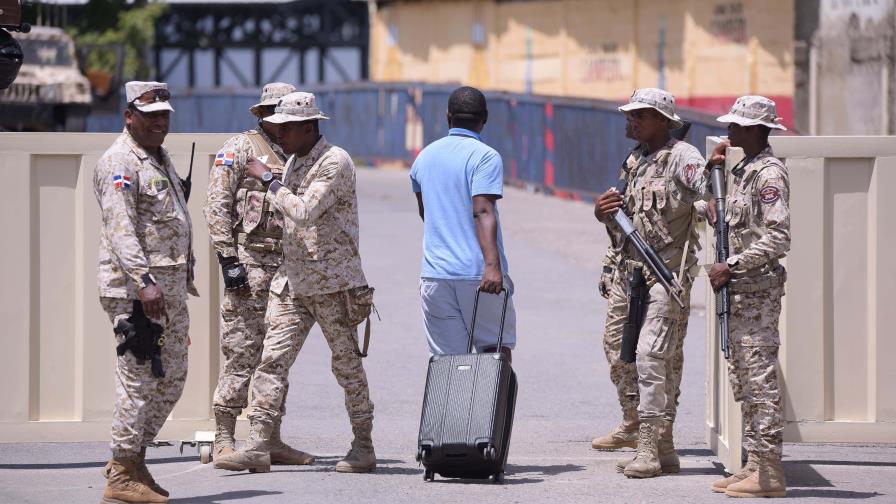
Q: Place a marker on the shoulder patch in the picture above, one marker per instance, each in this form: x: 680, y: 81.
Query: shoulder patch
x: 769, y: 194
x: 122, y: 182
x: 225, y: 158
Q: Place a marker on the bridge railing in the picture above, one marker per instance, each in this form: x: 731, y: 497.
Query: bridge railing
x: 560, y: 145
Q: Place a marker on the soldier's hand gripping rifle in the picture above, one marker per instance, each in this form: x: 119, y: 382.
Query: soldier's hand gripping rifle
x: 723, y: 299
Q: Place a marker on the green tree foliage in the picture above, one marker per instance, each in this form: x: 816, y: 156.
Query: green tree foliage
x: 110, y: 24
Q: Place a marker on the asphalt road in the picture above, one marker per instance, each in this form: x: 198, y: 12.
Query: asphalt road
x: 554, y: 249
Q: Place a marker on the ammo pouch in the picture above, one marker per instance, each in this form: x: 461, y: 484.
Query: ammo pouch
x: 359, y: 305
x: 143, y: 338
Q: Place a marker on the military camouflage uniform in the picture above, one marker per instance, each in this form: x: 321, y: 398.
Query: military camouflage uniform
x: 758, y: 217
x: 242, y: 223
x: 624, y: 375
x: 321, y: 270
x: 146, y: 229
x: 662, y: 190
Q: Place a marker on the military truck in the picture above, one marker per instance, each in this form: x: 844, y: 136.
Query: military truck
x: 50, y: 92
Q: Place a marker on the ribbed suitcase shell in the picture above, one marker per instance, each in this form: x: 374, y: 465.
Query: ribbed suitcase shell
x: 468, y: 408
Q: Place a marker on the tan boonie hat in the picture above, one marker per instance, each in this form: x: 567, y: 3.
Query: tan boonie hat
x: 657, y: 99
x: 148, y: 96
x: 753, y: 110
x: 295, y: 107
x: 271, y: 95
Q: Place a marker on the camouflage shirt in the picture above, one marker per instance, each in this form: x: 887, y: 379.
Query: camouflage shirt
x: 758, y: 215
x: 145, y: 219
x: 662, y: 189
x: 237, y: 210
x: 320, y: 209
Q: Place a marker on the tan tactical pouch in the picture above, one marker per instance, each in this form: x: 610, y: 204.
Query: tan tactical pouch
x: 359, y: 305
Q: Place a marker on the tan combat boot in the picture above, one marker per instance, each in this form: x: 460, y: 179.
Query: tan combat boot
x: 666, y: 450
x: 123, y: 485
x: 751, y: 466
x: 624, y: 435
x: 669, y: 462
x: 647, y: 462
x: 255, y: 457
x: 361, y: 457
x: 146, y: 477
x: 767, y: 481
x: 142, y: 474
x: 225, y: 428
x: 283, y: 454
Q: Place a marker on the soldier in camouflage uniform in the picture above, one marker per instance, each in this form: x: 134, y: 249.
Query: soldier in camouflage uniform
x: 320, y: 281
x: 145, y: 254
x: 624, y: 375
x: 245, y: 232
x: 758, y: 216
x: 665, y: 178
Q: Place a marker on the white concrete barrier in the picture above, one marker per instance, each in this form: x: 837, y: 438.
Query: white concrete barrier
x: 58, y: 352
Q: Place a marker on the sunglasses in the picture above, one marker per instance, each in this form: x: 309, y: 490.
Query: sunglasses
x: 152, y: 96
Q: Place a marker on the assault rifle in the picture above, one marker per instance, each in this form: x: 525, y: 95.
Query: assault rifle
x: 723, y: 298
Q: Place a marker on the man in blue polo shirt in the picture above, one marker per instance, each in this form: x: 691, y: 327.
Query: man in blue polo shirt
x: 458, y: 180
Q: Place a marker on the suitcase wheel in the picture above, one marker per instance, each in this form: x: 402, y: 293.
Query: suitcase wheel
x: 428, y: 475
x: 490, y: 453
x: 499, y: 478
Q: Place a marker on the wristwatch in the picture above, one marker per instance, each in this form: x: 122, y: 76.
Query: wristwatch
x: 146, y: 280
x: 267, y: 178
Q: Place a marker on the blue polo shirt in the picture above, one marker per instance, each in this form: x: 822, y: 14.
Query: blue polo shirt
x: 449, y: 172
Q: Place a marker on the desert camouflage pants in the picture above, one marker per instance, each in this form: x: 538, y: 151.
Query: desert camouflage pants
x: 624, y: 375
x: 289, y: 321
x: 660, y: 359
x: 142, y: 401
x: 242, y: 336
x: 753, y: 367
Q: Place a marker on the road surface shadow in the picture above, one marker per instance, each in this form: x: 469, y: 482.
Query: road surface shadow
x: 829, y: 495
x: 88, y: 465
x: 857, y: 463
x: 224, y: 496
x: 546, y: 470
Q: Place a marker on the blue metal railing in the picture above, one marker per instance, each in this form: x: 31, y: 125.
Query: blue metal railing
x: 562, y: 145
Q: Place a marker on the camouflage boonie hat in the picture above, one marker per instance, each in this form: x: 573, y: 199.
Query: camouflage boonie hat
x: 753, y: 110
x: 138, y: 95
x: 271, y: 95
x: 657, y: 99
x: 295, y: 107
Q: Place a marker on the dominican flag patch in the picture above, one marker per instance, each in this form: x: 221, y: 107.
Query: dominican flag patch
x: 224, y: 158
x: 121, y: 181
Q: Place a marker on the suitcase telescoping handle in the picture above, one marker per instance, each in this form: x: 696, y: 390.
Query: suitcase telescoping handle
x: 503, y: 316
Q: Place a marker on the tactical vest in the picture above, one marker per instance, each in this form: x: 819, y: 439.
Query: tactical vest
x: 258, y: 225
x: 744, y: 227
x: 660, y: 210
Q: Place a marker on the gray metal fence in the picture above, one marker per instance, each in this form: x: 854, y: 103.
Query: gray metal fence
x: 571, y: 147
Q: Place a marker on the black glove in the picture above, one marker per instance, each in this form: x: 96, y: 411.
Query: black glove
x: 235, y: 276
